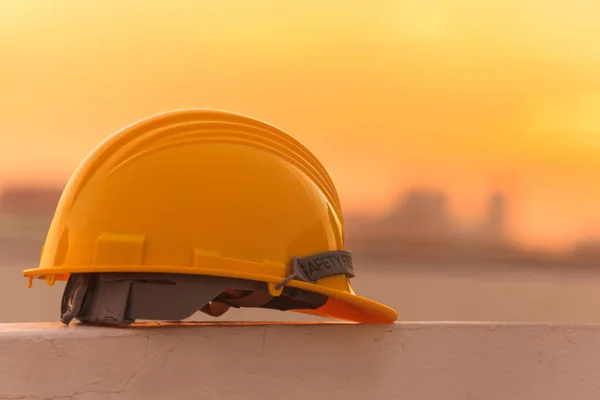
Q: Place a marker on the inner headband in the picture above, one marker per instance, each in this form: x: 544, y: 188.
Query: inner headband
x: 123, y: 298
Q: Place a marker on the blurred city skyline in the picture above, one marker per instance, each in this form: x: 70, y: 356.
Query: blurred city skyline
x: 421, y: 219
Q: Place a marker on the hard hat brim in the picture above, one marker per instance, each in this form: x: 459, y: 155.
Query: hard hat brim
x: 347, y: 306
x: 340, y: 305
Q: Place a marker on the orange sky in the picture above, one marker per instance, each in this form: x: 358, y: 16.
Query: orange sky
x: 467, y: 95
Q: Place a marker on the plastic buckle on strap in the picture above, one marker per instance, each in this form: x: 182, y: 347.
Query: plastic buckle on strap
x: 297, y: 273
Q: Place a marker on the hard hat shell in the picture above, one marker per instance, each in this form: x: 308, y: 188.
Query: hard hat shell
x: 203, y: 192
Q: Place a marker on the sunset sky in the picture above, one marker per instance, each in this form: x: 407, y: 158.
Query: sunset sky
x: 470, y: 96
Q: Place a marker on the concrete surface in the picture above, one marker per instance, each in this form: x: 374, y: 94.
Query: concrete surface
x: 301, y: 361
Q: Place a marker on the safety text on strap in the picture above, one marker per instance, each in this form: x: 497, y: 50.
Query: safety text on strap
x: 317, y: 266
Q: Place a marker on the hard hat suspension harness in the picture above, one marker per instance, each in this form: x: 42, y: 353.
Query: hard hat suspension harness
x: 122, y: 298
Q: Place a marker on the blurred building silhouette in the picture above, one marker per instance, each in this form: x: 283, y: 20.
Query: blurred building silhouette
x: 494, y: 221
x: 29, y: 200
x: 25, y: 215
x: 587, y: 251
x: 421, y: 227
x: 421, y: 214
x: 425, y: 214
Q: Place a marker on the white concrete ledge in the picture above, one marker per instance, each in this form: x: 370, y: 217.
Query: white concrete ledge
x: 301, y: 361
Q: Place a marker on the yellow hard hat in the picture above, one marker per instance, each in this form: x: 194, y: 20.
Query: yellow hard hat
x: 201, y: 209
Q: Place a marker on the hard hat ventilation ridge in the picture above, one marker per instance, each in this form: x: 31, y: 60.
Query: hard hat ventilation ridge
x: 180, y: 127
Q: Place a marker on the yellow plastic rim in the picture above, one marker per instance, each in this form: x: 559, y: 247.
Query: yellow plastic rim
x: 376, y: 312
